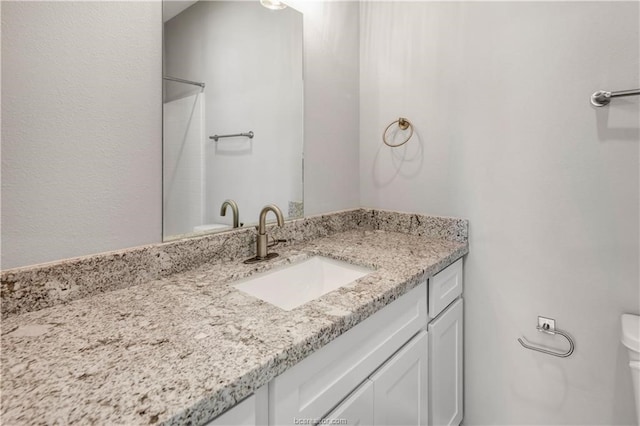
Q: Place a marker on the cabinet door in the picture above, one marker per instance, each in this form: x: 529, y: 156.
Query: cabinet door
x: 318, y: 383
x: 400, y: 386
x: 252, y: 411
x: 445, y: 367
x: 357, y: 409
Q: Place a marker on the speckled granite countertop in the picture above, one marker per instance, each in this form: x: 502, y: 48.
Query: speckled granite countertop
x: 184, y: 348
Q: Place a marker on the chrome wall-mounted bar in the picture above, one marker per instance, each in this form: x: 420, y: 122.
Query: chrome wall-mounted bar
x: 181, y: 80
x: 216, y: 137
x: 603, y: 97
x: 548, y: 325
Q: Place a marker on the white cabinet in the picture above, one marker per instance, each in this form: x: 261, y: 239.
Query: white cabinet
x: 396, y: 394
x: 445, y: 366
x: 357, y: 409
x: 251, y: 411
x: 400, y: 386
x: 444, y: 288
x: 317, y: 384
x: 387, y: 370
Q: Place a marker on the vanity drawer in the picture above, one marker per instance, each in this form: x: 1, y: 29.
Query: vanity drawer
x: 313, y: 387
x: 445, y: 287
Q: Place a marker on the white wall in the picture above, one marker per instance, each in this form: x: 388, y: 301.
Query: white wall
x: 499, y: 96
x: 81, y: 128
x: 331, y: 104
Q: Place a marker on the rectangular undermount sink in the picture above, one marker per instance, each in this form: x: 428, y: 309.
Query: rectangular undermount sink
x: 293, y: 285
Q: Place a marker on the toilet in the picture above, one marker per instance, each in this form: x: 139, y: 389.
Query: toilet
x: 631, y: 339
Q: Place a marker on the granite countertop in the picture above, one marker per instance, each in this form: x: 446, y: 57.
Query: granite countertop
x: 184, y: 348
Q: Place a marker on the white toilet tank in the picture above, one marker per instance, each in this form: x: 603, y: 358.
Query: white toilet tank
x: 631, y: 339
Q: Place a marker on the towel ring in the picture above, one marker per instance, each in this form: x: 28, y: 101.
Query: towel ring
x: 403, y: 124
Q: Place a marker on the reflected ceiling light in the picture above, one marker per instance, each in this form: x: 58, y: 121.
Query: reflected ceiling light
x: 273, y: 4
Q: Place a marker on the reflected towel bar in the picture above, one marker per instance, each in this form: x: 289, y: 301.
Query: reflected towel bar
x: 603, y: 97
x: 181, y: 80
x: 216, y: 137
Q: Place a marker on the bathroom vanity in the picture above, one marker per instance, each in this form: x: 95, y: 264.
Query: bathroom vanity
x: 161, y: 335
x: 405, y: 360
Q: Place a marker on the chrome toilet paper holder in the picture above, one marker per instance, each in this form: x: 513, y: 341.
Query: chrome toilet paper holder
x: 548, y: 325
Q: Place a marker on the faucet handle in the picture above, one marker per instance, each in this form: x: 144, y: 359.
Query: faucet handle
x: 274, y: 242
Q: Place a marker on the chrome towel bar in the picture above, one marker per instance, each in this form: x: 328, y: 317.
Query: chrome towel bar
x: 603, y: 97
x: 548, y: 325
x: 216, y: 137
x: 181, y: 80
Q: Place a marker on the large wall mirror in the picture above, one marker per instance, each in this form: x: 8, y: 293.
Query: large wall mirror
x: 230, y: 68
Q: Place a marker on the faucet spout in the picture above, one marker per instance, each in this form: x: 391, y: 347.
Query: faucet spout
x: 263, y: 218
x: 234, y: 208
x: 262, y: 246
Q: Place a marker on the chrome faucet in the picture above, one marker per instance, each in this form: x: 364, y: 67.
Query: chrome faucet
x: 262, y: 246
x: 234, y: 208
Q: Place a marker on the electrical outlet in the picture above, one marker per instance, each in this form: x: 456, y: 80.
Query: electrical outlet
x: 546, y: 324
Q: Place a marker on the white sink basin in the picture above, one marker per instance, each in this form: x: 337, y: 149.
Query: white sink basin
x: 293, y: 285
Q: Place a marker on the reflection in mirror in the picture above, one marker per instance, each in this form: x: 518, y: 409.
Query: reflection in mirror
x: 231, y: 68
